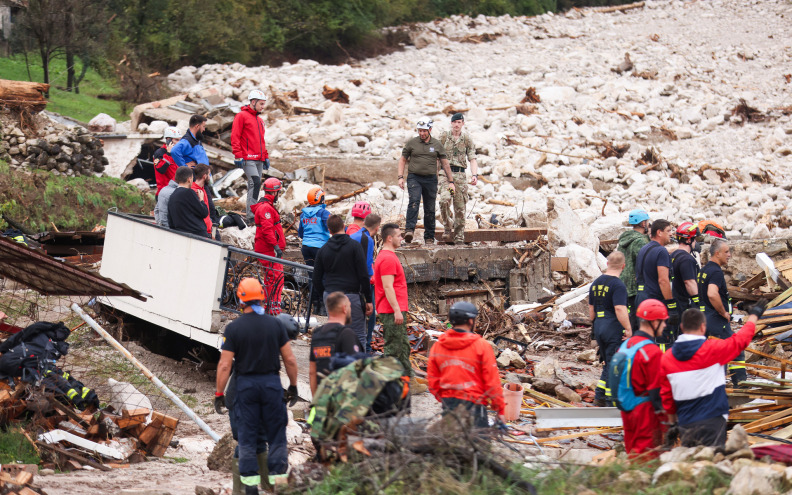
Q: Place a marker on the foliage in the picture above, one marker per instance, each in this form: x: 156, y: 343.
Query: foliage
x: 15, y: 448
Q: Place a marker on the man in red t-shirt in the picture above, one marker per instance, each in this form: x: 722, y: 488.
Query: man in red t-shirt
x: 390, y: 294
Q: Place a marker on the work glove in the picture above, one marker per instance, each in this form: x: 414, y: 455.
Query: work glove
x: 239, y: 163
x: 278, y: 252
x: 220, y: 405
x: 673, y: 312
x: 672, y: 435
x: 759, y: 308
x: 290, y: 395
x: 266, y: 164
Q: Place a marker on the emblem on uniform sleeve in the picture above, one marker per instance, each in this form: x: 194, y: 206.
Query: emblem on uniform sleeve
x: 431, y: 150
x: 267, y: 215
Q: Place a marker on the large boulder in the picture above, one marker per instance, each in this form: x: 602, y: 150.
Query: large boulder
x: 102, y: 123
x: 583, y: 264
x: 295, y: 196
x: 566, y: 227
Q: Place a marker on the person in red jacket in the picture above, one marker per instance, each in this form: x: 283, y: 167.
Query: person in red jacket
x: 693, y: 377
x: 202, y: 172
x: 164, y: 165
x: 248, y: 146
x: 644, y: 426
x: 270, y: 241
x: 462, y: 371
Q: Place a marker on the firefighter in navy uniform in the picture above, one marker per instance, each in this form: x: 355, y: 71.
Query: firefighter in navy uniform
x: 608, y: 311
x: 684, y: 272
x: 716, y: 303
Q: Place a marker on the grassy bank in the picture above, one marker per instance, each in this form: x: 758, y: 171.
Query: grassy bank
x: 83, y: 106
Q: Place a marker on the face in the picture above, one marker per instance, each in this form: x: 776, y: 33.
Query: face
x: 664, y: 236
x: 170, y: 146
x: 457, y: 125
x: 396, y: 238
x: 258, y: 105
x: 724, y: 255
x: 424, y: 134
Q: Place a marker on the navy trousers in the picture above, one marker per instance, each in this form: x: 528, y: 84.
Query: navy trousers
x: 261, y: 418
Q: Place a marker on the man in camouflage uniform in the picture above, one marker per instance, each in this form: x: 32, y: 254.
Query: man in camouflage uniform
x: 461, y: 151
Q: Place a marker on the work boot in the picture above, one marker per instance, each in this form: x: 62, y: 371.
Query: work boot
x: 263, y: 470
x: 408, y: 236
x: 237, y: 488
x: 429, y: 242
x: 417, y: 388
x: 278, y: 479
x: 599, y: 403
x: 251, y: 490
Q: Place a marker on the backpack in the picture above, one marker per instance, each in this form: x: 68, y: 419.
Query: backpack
x: 620, y: 377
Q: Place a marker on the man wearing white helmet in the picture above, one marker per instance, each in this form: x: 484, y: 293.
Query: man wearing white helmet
x: 249, y: 148
x: 164, y: 165
x: 420, y: 156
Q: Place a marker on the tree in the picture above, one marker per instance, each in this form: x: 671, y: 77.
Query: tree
x: 84, y: 34
x: 42, y: 22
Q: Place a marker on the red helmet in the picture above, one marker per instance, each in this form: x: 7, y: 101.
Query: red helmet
x: 686, y: 231
x: 651, y: 310
x: 712, y: 228
x: 272, y: 185
x: 250, y: 289
x: 315, y: 196
x: 361, y: 209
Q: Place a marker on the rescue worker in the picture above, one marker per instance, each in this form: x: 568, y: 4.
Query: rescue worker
x: 630, y: 243
x: 332, y: 338
x: 360, y: 211
x: 249, y: 147
x: 313, y: 225
x: 365, y: 237
x: 684, y: 272
x: 653, y: 275
x: 164, y: 165
x: 202, y: 173
x: 189, y: 151
x: 644, y: 426
x: 186, y: 208
x: 462, y: 371
x: 420, y: 156
x: 461, y: 151
x: 163, y: 200
x: 254, y: 343
x: 270, y: 241
x: 608, y: 311
x: 716, y: 303
x: 692, y: 383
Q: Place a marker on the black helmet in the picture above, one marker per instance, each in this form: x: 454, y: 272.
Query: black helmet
x: 291, y: 325
x: 461, y: 312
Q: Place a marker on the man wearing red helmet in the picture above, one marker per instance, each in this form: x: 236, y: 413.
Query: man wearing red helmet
x: 360, y: 211
x: 270, y: 241
x: 643, y: 426
x: 684, y: 271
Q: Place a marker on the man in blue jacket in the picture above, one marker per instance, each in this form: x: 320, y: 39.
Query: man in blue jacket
x: 365, y: 237
x: 189, y: 151
x: 313, y: 225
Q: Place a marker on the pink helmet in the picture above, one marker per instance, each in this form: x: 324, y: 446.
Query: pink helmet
x: 361, y: 209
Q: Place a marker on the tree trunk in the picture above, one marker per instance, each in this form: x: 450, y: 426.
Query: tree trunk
x: 23, y: 94
x: 45, y: 67
x: 69, y: 70
x: 85, y: 65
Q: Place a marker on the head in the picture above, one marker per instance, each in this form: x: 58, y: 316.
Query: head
x: 391, y: 235
x: 463, y: 315
x: 339, y: 308
x: 290, y: 324
x: 616, y: 262
x: 720, y: 252
x: 272, y: 187
x: 171, y: 137
x: 202, y: 172
x: 335, y: 224
x: 424, y: 126
x: 198, y: 126
x: 361, y: 209
x: 653, y: 315
x: 661, y: 231
x: 687, y: 235
x: 372, y: 223
x: 184, y: 176
x: 250, y: 292
x: 457, y: 122
x: 638, y: 219
x: 257, y: 100
x: 316, y: 196
x: 693, y: 322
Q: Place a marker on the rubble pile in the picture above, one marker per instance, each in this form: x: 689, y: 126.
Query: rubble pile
x: 62, y: 150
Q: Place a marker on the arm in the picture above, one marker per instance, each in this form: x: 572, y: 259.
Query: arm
x: 715, y: 300
x: 312, y: 376
x: 692, y: 287
x: 290, y: 363
x: 474, y: 171
x: 727, y: 349
x: 623, y: 315
x: 665, y: 282
x: 177, y: 153
x: 401, y: 167
x: 591, y: 312
x: 390, y: 295
x: 300, y: 230
x: 447, y: 169
x: 280, y: 235
x: 236, y: 136
x: 362, y: 273
x: 433, y: 375
x: 492, y: 384
x: 666, y: 394
x: 224, y: 370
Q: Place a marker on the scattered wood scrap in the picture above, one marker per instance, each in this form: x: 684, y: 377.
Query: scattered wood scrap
x: 334, y: 94
x: 480, y: 38
x: 23, y: 95
x: 747, y: 113
x: 609, y: 149
x: 531, y: 96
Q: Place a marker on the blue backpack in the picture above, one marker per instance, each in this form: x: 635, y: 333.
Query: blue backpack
x: 619, y: 377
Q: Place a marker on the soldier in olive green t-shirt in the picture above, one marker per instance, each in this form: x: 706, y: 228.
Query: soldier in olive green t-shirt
x: 420, y: 155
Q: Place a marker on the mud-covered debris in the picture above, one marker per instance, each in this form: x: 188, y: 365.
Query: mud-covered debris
x: 747, y: 113
x: 531, y: 96
x: 609, y: 149
x: 480, y: 38
x: 625, y: 66
x: 335, y: 95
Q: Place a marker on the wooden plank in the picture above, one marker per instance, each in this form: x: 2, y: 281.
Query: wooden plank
x: 74, y: 456
x: 772, y: 417
x: 615, y: 429
x: 151, y: 432
x: 756, y: 407
x: 504, y: 235
x: 559, y: 264
x: 163, y: 441
x: 781, y: 299
x: 754, y: 282
x: 768, y: 356
x: 767, y: 426
x: 546, y: 398
x: 776, y: 319
x: 131, y: 413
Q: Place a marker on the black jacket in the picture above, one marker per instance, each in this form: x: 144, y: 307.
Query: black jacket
x: 340, y: 265
x: 186, y: 212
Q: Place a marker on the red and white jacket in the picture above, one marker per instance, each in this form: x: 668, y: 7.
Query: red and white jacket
x: 247, y: 136
x: 269, y: 231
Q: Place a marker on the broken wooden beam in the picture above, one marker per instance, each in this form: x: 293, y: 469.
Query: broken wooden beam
x: 504, y: 235
x: 23, y: 94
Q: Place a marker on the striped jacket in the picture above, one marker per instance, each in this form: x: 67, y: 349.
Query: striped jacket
x: 693, y: 380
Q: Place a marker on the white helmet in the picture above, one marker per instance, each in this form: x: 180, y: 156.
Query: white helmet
x: 257, y: 94
x: 171, y: 132
x: 424, y: 123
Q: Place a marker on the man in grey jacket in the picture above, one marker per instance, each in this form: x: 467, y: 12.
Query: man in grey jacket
x: 161, y: 209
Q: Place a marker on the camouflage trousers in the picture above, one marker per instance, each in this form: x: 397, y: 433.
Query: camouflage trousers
x: 397, y: 344
x: 457, y: 201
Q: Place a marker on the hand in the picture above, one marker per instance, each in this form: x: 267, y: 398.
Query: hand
x: 220, y: 405
x: 759, y: 308
x: 266, y: 164
x: 627, y: 335
x: 201, y: 194
x: 502, y: 418
x: 398, y: 318
x: 239, y: 163
x: 290, y: 395
x: 401, y: 183
x: 278, y: 252
x: 369, y: 309
x: 451, y: 187
x: 673, y: 318
x: 474, y: 180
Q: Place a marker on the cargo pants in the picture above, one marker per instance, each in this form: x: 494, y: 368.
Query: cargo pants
x: 397, y: 344
x: 457, y: 201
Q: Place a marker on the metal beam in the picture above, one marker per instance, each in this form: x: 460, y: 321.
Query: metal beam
x: 578, y: 417
x: 503, y: 235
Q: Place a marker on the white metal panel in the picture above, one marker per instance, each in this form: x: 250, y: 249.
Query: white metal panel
x: 577, y: 417
x: 181, y: 276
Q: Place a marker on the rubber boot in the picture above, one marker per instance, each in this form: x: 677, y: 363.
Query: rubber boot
x: 263, y: 471
x: 238, y: 488
x: 251, y: 490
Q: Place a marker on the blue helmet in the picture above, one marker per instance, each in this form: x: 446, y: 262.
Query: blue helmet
x: 637, y: 216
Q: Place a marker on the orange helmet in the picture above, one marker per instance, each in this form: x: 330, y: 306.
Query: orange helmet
x: 315, y: 196
x: 712, y: 228
x: 250, y: 289
x: 651, y: 310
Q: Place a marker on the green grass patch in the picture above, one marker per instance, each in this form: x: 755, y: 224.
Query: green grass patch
x: 178, y: 460
x: 83, y: 106
x: 16, y: 449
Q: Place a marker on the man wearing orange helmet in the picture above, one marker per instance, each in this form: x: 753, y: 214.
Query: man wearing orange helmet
x: 313, y: 225
x: 270, y: 241
x: 684, y: 271
x: 254, y: 344
x: 360, y: 210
